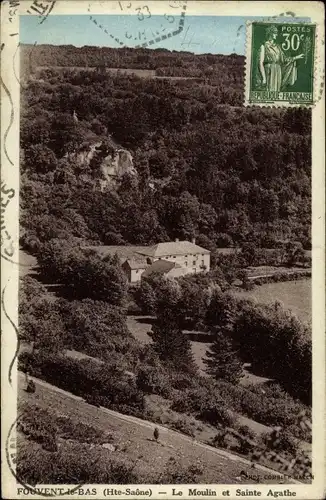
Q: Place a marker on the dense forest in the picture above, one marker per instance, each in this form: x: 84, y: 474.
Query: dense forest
x: 207, y: 166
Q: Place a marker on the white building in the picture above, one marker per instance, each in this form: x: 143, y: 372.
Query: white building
x: 173, y: 258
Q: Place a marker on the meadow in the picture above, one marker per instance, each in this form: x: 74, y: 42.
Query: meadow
x: 294, y: 295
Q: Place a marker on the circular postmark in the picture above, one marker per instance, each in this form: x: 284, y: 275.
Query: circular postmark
x: 41, y: 8
x: 7, y: 193
x: 141, y: 27
x: 22, y: 486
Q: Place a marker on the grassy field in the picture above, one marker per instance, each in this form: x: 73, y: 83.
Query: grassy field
x: 294, y: 295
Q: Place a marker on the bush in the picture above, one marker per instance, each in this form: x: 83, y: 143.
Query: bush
x: 93, y: 399
x: 43, y: 426
x: 245, y: 447
x: 153, y: 380
x: 300, y: 432
x: 182, y: 381
x: 176, y: 473
x: 37, y: 424
x: 184, y: 425
x: 191, y: 401
x: 83, y: 271
x: 277, y: 344
x: 279, y: 277
x: 281, y: 441
x: 221, y: 440
x: 73, y: 464
x: 83, y: 433
x: 269, y: 408
x: 84, y: 377
x: 247, y: 432
x: 218, y: 415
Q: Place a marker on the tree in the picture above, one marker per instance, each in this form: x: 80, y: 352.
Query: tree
x: 91, y: 277
x: 84, y: 272
x: 277, y: 344
x: 40, y: 322
x: 39, y: 158
x: 94, y: 327
x: 222, y: 360
x: 192, y: 305
x: 294, y: 253
x: 249, y: 252
x: 172, y: 345
x: 145, y: 297
x: 66, y: 135
x: 221, y: 310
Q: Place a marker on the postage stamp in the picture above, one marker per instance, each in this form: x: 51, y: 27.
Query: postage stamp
x: 162, y: 249
x: 280, y: 63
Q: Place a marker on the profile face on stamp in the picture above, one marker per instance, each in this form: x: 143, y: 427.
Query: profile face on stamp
x: 282, y: 62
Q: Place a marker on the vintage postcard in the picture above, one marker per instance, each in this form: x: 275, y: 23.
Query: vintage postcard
x: 162, y: 249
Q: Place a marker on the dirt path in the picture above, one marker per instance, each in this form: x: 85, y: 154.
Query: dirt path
x: 137, y: 435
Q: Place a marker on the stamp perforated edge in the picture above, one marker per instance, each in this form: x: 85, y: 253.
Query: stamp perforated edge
x: 318, y: 69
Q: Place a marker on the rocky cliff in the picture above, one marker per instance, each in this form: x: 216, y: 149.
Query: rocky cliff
x: 115, y: 166
x: 110, y: 165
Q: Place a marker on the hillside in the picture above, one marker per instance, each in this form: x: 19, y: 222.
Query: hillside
x: 205, y: 168
x: 131, y: 442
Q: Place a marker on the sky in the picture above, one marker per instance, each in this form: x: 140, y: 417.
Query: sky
x: 201, y: 34
x: 204, y: 34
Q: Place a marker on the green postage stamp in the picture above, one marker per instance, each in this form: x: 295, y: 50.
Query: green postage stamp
x: 280, y: 63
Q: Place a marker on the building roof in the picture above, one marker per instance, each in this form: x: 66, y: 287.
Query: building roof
x: 173, y: 248
x: 136, y: 264
x: 137, y: 252
x: 124, y: 252
x: 160, y: 266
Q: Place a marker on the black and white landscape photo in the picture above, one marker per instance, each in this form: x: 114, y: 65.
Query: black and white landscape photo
x: 165, y: 286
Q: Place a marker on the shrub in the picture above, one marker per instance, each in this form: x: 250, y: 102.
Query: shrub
x: 73, y: 464
x: 279, y: 277
x: 37, y: 424
x: 93, y: 399
x: 245, y: 447
x: 249, y: 401
x: 176, y: 473
x: 216, y: 414
x: 247, y: 432
x: 83, y: 271
x: 85, y: 377
x: 153, y: 380
x: 300, y: 432
x: 277, y: 345
x: 220, y: 440
x: 191, y: 401
x: 184, y: 425
x: 182, y: 381
x: 83, y: 433
x: 281, y: 441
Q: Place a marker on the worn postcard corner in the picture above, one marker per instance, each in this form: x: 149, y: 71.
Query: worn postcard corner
x: 162, y: 249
